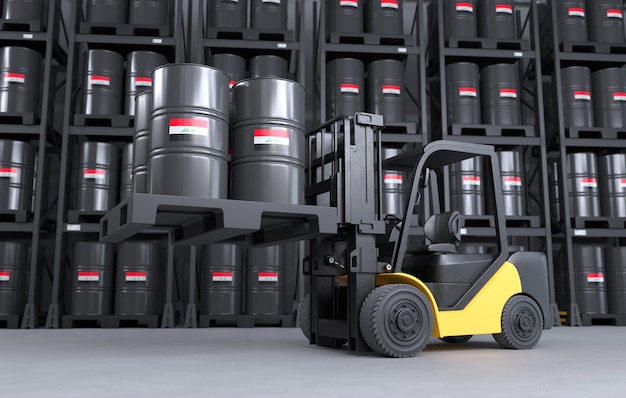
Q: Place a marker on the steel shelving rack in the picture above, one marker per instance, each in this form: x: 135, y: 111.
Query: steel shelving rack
x: 72, y: 226
x: 42, y: 36
x: 570, y: 230
x: 408, y: 47
x: 533, y: 229
x: 246, y: 43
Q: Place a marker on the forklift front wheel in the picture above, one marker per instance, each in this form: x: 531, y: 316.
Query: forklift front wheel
x: 522, y: 324
x: 396, y: 320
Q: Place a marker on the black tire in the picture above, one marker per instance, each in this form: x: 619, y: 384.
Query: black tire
x: 379, y: 316
x: 522, y: 324
x: 304, y: 316
x: 456, y: 339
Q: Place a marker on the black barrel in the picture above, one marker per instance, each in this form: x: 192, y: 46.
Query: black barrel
x: 21, y: 72
x: 107, y: 11
x: 467, y: 193
x: 513, y: 187
x: 17, y: 168
x: 615, y: 273
x: 139, y: 280
x: 612, y: 179
x: 149, y: 12
x: 103, y: 83
x: 189, y: 132
x: 583, y: 189
x: 23, y: 10
x: 268, y: 14
x: 460, y: 18
x: 233, y: 65
x: 139, y: 67
x: 606, y: 21
x: 141, y: 142
x: 230, y: 14
x: 572, y: 20
x: 268, y: 141
x: 384, y: 17
x: 221, y: 279
x: 609, y: 97
x: 344, y: 16
x: 463, y: 93
x: 394, y: 186
x: 500, y: 92
x: 13, y: 277
x: 589, y: 279
x: 269, y: 66
x: 126, y: 174
x: 577, y: 99
x: 96, y: 173
x: 385, y: 89
x: 496, y: 19
x: 92, y: 279
x: 345, y: 87
x: 265, y: 280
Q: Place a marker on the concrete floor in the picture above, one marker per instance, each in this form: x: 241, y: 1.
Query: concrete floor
x: 274, y: 362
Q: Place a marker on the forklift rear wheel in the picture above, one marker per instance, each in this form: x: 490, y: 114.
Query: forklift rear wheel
x: 522, y: 324
x: 396, y: 320
x: 304, y: 316
x: 456, y: 339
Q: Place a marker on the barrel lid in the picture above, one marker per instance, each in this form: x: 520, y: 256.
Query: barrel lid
x: 189, y: 64
x: 250, y: 79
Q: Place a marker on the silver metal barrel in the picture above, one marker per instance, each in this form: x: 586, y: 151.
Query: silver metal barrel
x: 141, y: 141
x: 583, y: 189
x: 92, y: 279
x: 268, y: 141
x: 577, y: 96
x: 103, y: 83
x: 460, y: 18
x: 107, y: 11
x: 13, y: 277
x: 605, y: 21
x: 612, y: 180
x: 17, y: 167
x: 21, y: 71
x: 189, y: 132
x: 467, y: 187
x: 95, y: 180
x: 221, y: 279
x: 500, y: 95
x: 139, y: 67
x: 345, y: 16
x: 384, y: 17
x: 496, y: 19
x: 126, y: 171
x: 345, y: 89
x: 385, y: 89
x: 266, y: 280
x: 463, y: 93
x: 572, y: 20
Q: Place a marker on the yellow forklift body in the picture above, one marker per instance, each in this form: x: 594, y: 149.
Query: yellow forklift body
x: 481, y: 316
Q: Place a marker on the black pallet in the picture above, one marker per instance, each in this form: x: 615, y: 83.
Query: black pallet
x: 17, y: 216
x: 478, y: 221
x: 250, y: 34
x: 109, y: 321
x: 83, y: 120
x: 399, y: 128
x: 604, y: 319
x: 84, y: 216
x: 523, y: 221
x: 246, y: 321
x: 596, y: 132
x: 10, y: 321
x: 489, y: 130
x: 598, y: 222
x: 593, y: 47
x: 370, y: 38
x: 488, y: 44
x: 124, y: 29
x: 27, y: 118
x: 12, y: 25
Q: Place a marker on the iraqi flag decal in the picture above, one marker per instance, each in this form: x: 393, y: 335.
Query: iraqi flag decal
x: 8, y: 172
x: 271, y: 137
x: 189, y: 126
x: 14, y: 77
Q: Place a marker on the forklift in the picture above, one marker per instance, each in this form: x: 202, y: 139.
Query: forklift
x: 388, y: 284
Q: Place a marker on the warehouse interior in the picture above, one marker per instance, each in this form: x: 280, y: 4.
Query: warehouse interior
x: 194, y: 190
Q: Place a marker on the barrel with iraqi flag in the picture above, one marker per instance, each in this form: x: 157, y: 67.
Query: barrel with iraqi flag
x: 92, y: 279
x: 609, y: 102
x: 460, y: 19
x: 17, y: 168
x: 189, y: 132
x: 605, y: 21
x: 394, y: 186
x: 500, y: 91
x: 467, y: 188
x: 95, y: 179
x: 582, y: 176
x: 572, y: 20
x: 384, y: 17
x: 103, y: 82
x: 139, y: 279
x: 577, y: 96
x: 345, y: 89
x: 139, y: 67
x: 141, y: 142
x: 496, y: 19
x: 221, y: 279
x: 385, y: 89
x: 21, y: 71
x: 345, y: 16
x: 268, y: 141
x: 463, y: 93
x: 13, y: 277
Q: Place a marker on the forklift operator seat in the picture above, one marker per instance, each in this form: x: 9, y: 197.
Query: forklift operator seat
x: 444, y: 230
